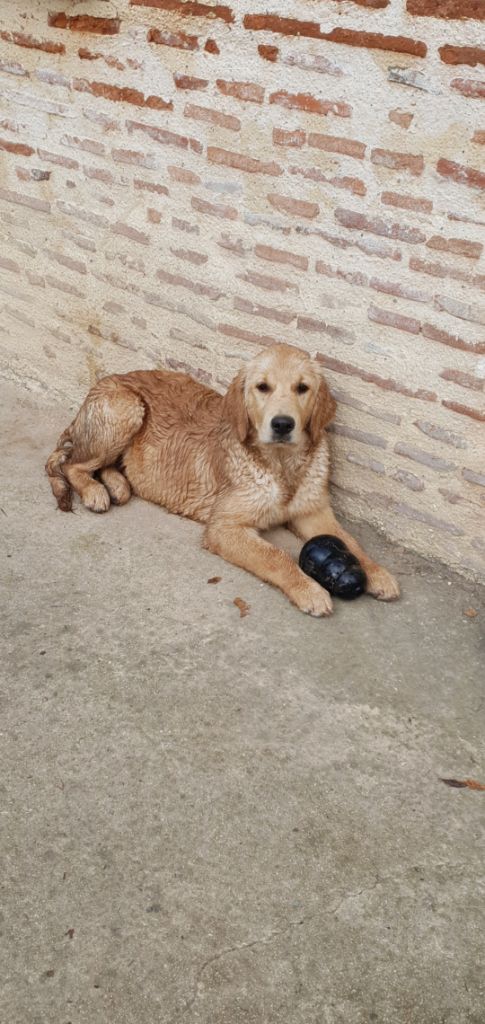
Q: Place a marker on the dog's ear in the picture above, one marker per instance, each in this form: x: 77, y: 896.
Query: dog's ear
x: 234, y: 410
x: 323, y: 411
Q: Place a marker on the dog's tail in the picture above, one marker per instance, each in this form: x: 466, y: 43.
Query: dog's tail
x: 61, y: 488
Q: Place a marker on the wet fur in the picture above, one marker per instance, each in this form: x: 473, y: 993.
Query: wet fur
x: 173, y: 441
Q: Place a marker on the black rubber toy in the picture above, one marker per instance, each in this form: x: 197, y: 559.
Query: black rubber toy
x: 328, y: 561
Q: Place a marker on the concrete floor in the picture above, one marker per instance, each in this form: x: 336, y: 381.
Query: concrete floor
x: 208, y: 819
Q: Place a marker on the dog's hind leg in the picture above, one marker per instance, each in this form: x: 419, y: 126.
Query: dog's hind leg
x: 106, y: 423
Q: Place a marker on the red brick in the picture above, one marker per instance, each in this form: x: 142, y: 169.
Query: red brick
x: 310, y: 104
x: 376, y: 41
x: 249, y: 92
x: 474, y: 478
x: 266, y: 252
x: 353, y: 277
x: 242, y: 162
x: 337, y: 144
x: 459, y: 246
x: 179, y: 40
x: 368, y: 245
x: 210, y: 46
x: 469, y: 87
x: 149, y: 186
x: 99, y: 174
x: 470, y: 55
x: 27, y: 174
x: 283, y: 26
x: 282, y: 316
x: 464, y: 380
x: 190, y: 256
x: 412, y: 482
x: 293, y: 207
x: 183, y: 225
x: 56, y: 158
x: 295, y: 138
x: 358, y: 221
x: 350, y: 37
x: 268, y: 52
x: 189, y: 8
x: 479, y: 137
x: 460, y: 310
x: 444, y: 338
x: 214, y: 209
x: 133, y: 156
x: 189, y: 82
x: 239, y: 332
x: 112, y: 62
x: 464, y: 410
x: 7, y: 264
x: 398, y: 161
x: 10, y: 126
x: 18, y: 199
x: 401, y: 117
x: 404, y: 202
x: 164, y: 137
x: 153, y: 216
x: 441, y: 270
x: 374, y: 440
x: 354, y: 185
x: 460, y: 173
x: 52, y: 77
x: 178, y: 281
x: 86, y: 145
x: 16, y: 147
x: 128, y: 232
x: 386, y: 383
x: 416, y: 455
x: 63, y: 286
x: 234, y: 245
x: 447, y: 8
x: 183, y: 175
x: 268, y: 283
x: 11, y: 67
x: 32, y: 44
x: 391, y: 319
x: 121, y: 94
x: 312, y: 62
x: 108, y: 124
x: 85, y: 23
x: 402, y: 291
x: 211, y: 116
x: 310, y: 323
x: 66, y: 261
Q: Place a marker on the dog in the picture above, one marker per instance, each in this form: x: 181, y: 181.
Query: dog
x: 255, y: 458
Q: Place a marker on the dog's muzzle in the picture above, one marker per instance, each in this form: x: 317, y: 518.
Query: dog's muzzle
x: 282, y: 427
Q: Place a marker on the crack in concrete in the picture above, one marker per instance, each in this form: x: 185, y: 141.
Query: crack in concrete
x: 264, y: 941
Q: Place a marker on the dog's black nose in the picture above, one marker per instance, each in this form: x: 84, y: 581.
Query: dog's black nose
x: 282, y: 425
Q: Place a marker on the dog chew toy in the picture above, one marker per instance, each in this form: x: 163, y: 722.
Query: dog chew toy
x: 328, y: 561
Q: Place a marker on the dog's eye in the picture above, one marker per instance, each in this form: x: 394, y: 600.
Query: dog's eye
x: 302, y: 388
x: 263, y: 386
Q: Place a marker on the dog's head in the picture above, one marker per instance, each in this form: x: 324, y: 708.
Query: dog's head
x: 281, y: 397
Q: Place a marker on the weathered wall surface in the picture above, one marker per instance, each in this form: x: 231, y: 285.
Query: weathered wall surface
x: 182, y: 182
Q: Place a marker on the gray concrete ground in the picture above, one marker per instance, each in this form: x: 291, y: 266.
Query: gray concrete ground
x: 208, y: 819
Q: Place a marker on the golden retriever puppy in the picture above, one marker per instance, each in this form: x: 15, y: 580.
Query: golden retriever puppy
x: 252, y: 459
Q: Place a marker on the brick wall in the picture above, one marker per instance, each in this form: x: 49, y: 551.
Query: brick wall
x: 183, y: 182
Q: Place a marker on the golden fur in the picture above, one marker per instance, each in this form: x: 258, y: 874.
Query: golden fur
x: 217, y: 459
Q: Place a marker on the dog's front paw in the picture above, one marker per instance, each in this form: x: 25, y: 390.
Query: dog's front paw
x: 312, y: 599
x: 95, y: 497
x: 381, y: 584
